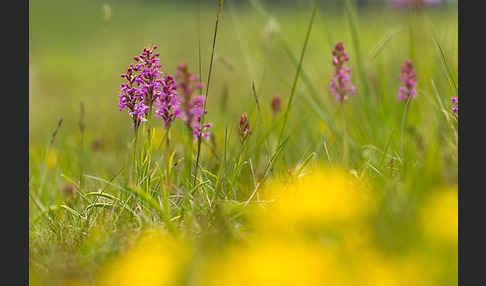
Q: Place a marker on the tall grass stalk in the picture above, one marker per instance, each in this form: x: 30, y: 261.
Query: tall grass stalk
x: 190, y: 146
x: 451, y: 76
x: 218, y: 15
x: 443, y: 57
x: 297, y: 73
x: 260, y: 114
x: 445, y: 112
x: 314, y: 101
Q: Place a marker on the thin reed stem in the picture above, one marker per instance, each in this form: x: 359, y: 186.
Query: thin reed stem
x: 299, y: 68
x: 218, y: 14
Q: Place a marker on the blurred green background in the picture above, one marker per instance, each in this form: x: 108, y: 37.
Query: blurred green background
x: 78, y: 49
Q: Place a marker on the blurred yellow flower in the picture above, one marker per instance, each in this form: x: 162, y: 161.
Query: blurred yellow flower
x: 375, y: 269
x: 154, y: 260
x: 324, y: 197
x: 439, y: 217
x: 75, y: 283
x: 356, y: 238
x: 272, y: 261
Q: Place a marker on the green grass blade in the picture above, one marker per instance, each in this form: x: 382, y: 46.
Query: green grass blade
x: 111, y: 205
x: 274, y: 158
x: 304, y: 163
x: 218, y: 15
x: 297, y: 74
x: 144, y: 197
x: 443, y: 58
x: 72, y: 211
x: 383, y: 42
x: 221, y: 164
x: 104, y: 195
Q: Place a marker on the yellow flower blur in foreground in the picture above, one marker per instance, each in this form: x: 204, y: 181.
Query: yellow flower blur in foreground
x: 439, y: 219
x: 278, y: 254
x: 332, y: 206
x: 296, y: 262
x: 375, y: 269
x: 268, y: 262
x: 155, y: 260
x: 324, y: 196
x: 75, y: 283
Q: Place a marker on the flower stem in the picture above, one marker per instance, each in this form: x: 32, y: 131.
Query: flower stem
x: 167, y: 175
x: 147, y: 154
x: 345, y: 136
x: 404, y: 123
x: 189, y: 153
x: 135, y: 141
